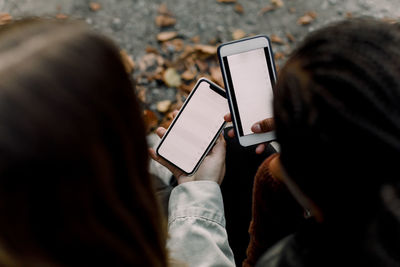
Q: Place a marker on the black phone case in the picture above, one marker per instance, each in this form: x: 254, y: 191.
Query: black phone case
x: 218, y: 90
x: 224, y: 76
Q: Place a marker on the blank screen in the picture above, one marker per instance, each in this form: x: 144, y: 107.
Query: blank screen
x: 195, y: 128
x: 250, y: 80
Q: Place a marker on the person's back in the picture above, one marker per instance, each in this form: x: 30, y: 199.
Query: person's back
x: 74, y: 183
x: 337, y: 116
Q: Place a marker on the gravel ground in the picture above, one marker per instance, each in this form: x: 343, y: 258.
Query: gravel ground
x: 131, y: 23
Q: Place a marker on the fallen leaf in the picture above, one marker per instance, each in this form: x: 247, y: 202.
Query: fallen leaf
x: 277, y: 3
x: 128, y: 62
x: 163, y: 106
x: 195, y: 39
x: 349, y: 15
x: 266, y: 9
x: 61, y: 16
x: 167, y: 120
x: 95, y: 6
x: 239, y: 8
x: 141, y: 93
x: 172, y: 78
x: 238, y: 34
x: 307, y: 18
x: 150, y: 119
x: 292, y: 10
x: 5, y: 18
x: 216, y: 75
x: 165, y: 21
x: 226, y: 1
x: 163, y: 10
x: 206, y: 49
x: 151, y: 49
x: 166, y: 36
x: 178, y: 44
x: 276, y: 39
x: 187, y: 88
x: 187, y: 51
x: 202, y: 65
x: 290, y: 37
x: 189, y: 75
x: 150, y: 62
x: 279, y: 55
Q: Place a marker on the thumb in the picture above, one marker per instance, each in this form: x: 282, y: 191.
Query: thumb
x: 263, y: 126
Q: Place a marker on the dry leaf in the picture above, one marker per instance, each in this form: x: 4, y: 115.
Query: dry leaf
x: 187, y: 88
x: 266, y: 9
x: 172, y: 78
x: 150, y: 62
x: 163, y: 106
x: 226, y: 1
x: 150, y: 119
x: 279, y: 55
x: 276, y: 39
x: 178, y: 44
x: 163, y: 10
x: 277, y: 3
x: 292, y: 10
x: 95, y: 6
x: 129, y: 64
x: 61, y: 16
x: 195, y: 39
x: 166, y: 122
x: 239, y: 8
x: 206, y: 49
x: 5, y: 18
x: 290, y: 37
x: 202, y: 65
x: 238, y: 34
x: 150, y: 49
x: 189, y: 75
x: 216, y: 75
x: 166, y: 36
x: 165, y: 21
x: 141, y: 93
x: 307, y: 18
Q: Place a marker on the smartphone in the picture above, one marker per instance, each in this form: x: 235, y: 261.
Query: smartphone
x: 248, y: 69
x: 196, y: 127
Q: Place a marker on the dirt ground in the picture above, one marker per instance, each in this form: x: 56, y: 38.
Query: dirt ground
x: 131, y: 23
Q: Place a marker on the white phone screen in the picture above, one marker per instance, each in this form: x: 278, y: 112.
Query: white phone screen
x: 252, y: 87
x: 195, y: 128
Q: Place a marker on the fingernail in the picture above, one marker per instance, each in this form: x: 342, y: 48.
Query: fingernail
x: 257, y: 128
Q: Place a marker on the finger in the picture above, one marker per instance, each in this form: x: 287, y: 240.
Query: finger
x: 175, y: 171
x: 161, y: 131
x: 174, y: 113
x: 263, y: 126
x: 231, y: 133
x: 228, y: 117
x: 260, y: 148
x: 219, y: 147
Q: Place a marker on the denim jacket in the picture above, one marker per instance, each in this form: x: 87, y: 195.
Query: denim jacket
x: 196, y: 224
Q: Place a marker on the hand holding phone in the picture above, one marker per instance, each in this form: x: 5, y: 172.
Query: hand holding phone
x: 249, y: 75
x: 264, y: 126
x: 211, y: 169
x: 195, y: 129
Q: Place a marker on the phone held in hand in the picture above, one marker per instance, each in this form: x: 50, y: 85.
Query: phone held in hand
x: 196, y: 127
x: 249, y: 74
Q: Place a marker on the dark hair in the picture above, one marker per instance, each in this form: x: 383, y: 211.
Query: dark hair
x: 337, y: 114
x: 74, y: 181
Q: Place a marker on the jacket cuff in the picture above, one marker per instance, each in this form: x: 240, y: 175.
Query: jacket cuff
x: 202, y: 199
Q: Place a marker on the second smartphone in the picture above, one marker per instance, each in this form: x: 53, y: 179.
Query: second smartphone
x: 195, y: 129
x: 248, y: 69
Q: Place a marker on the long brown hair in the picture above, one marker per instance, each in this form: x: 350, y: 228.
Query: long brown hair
x: 74, y: 181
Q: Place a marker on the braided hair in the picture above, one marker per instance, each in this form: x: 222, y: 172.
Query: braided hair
x: 337, y: 115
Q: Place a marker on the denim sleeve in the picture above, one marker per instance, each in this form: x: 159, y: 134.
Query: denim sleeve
x: 196, y: 225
